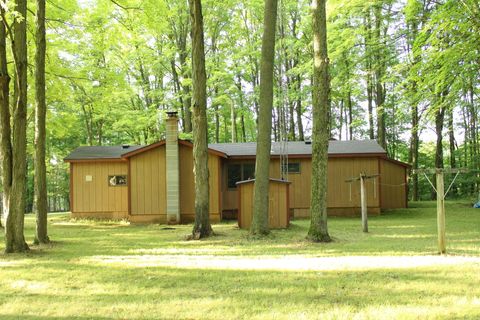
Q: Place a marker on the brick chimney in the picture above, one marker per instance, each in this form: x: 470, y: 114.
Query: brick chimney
x: 173, y: 170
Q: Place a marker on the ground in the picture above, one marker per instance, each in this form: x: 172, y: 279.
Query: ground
x: 113, y: 270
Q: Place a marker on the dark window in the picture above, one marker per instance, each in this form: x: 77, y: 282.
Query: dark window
x: 115, y: 181
x: 234, y: 175
x: 248, y: 171
x: 294, y: 167
x: 239, y: 172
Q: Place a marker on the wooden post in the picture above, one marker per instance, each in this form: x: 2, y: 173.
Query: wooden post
x: 441, y: 211
x: 363, y: 197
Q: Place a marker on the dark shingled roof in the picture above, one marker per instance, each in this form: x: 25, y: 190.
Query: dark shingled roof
x: 100, y: 152
x: 294, y: 148
x: 301, y: 148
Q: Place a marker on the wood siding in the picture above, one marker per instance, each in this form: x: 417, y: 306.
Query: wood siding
x: 187, y: 185
x: 148, y: 190
x: 95, y: 198
x: 278, y: 205
x: 393, y: 185
x: 341, y: 169
x: 340, y: 200
x: 148, y: 183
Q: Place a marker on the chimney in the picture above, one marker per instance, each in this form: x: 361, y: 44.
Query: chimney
x: 173, y: 170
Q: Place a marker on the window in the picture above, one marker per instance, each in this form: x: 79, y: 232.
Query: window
x: 248, y: 171
x: 114, y: 181
x: 293, y: 167
x: 234, y: 175
x: 239, y: 172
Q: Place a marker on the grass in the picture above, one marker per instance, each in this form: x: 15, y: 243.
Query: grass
x: 113, y: 270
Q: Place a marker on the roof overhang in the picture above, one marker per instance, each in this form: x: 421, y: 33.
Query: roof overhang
x: 162, y: 142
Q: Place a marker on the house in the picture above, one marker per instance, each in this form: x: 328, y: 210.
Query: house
x: 155, y: 183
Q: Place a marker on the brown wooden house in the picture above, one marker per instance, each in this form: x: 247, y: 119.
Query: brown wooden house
x: 155, y: 183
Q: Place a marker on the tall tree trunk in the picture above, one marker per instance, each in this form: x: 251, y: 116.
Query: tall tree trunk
x: 244, y: 133
x: 350, y: 113
x: 262, y: 166
x: 451, y: 139
x: 298, y: 109
x: 233, y: 116
x: 216, y: 117
x: 368, y: 67
x: 414, y: 150
x: 15, y: 240
x: 41, y: 235
x: 318, y: 230
x: 5, y: 128
x: 177, y: 89
x: 439, y: 119
x: 202, y: 227
x: 379, y: 73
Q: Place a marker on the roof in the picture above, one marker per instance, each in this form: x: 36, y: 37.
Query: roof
x: 298, y: 148
x: 100, y: 152
x: 246, y: 149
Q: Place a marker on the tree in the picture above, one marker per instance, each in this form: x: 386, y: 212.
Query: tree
x: 318, y: 231
x: 202, y: 227
x: 262, y: 165
x: 41, y: 234
x: 15, y: 166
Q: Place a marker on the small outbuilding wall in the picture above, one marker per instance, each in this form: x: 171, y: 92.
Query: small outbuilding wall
x: 393, y: 184
x: 278, y: 212
x: 91, y: 196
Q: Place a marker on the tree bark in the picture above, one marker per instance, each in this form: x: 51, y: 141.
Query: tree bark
x: 15, y: 240
x: 262, y: 166
x: 202, y: 227
x: 298, y: 109
x: 41, y: 235
x: 368, y: 67
x: 5, y: 128
x: 318, y: 231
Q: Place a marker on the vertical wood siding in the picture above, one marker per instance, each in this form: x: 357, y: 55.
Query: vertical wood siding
x: 97, y: 196
x: 148, y: 189
x: 339, y: 170
x: 393, y: 188
x: 187, y: 185
x: 278, y: 205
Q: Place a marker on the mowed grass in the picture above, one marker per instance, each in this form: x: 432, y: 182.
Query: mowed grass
x: 113, y: 270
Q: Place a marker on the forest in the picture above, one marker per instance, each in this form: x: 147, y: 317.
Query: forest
x: 403, y: 72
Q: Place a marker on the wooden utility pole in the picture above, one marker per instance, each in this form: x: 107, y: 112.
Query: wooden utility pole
x: 441, y: 194
x: 440, y: 211
x: 363, y: 196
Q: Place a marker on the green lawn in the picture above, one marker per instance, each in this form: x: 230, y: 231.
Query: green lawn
x: 111, y: 270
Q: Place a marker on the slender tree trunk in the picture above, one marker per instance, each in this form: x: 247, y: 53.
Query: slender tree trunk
x: 244, y: 133
x: 233, y: 120
x: 368, y: 67
x: 177, y: 89
x: 350, y: 113
x: 5, y: 128
x: 414, y: 150
x: 439, y: 119
x: 217, y: 117
x: 341, y: 121
x: 318, y: 231
x: 41, y: 235
x: 298, y: 109
x: 187, y: 99
x: 15, y: 240
x: 262, y: 166
x: 202, y: 227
